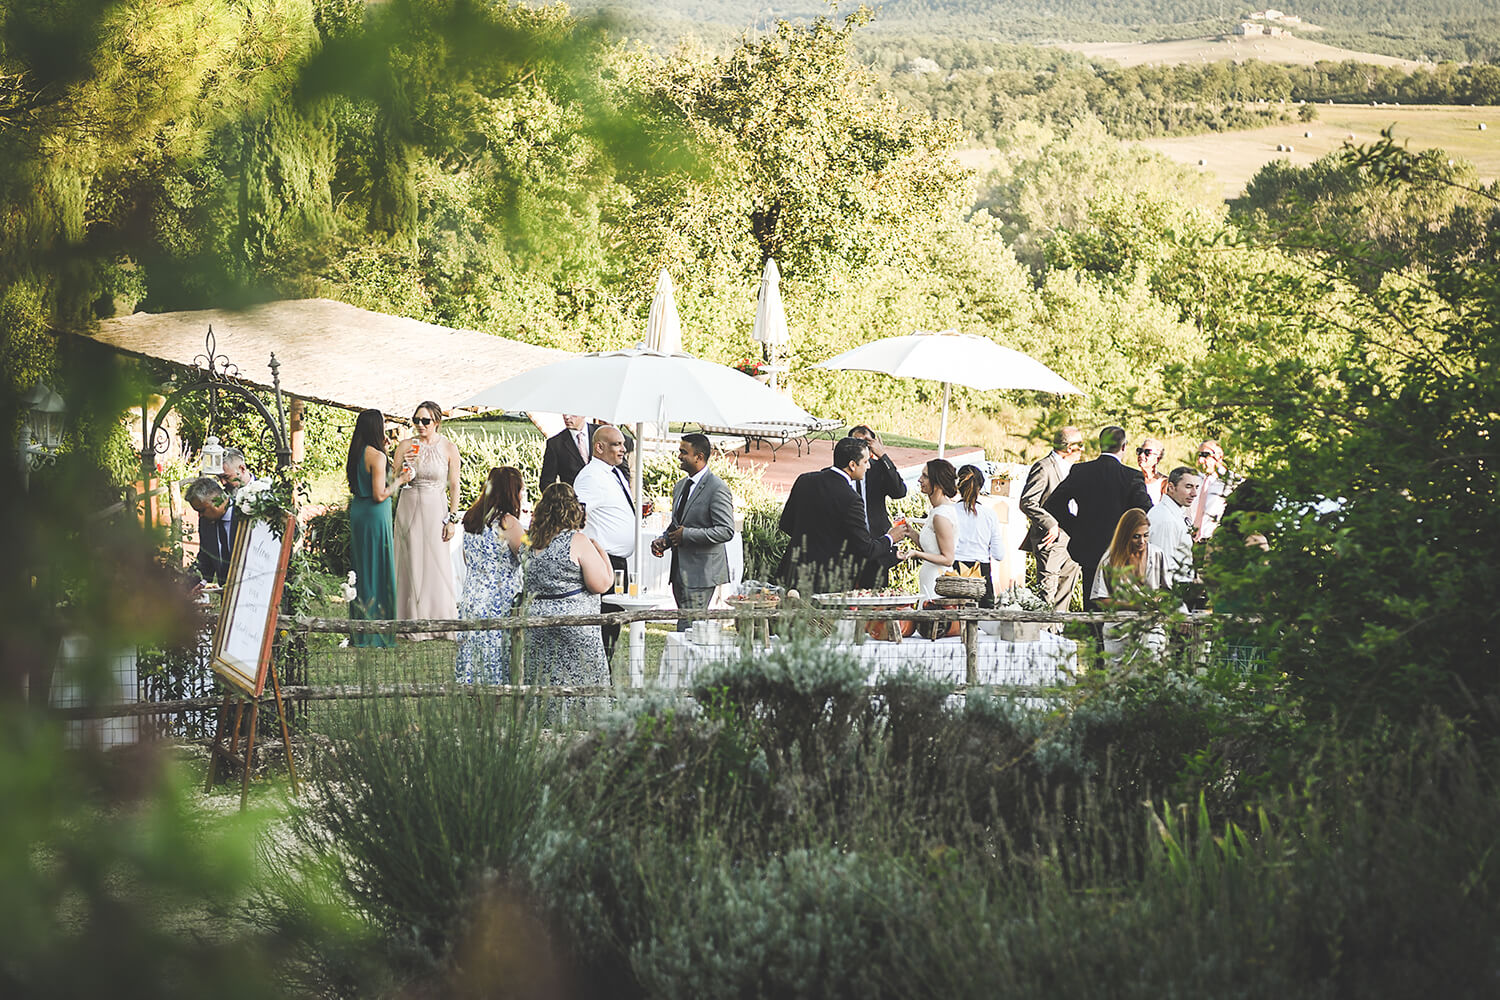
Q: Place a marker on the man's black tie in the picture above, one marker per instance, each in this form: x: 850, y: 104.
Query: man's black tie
x: 625, y: 487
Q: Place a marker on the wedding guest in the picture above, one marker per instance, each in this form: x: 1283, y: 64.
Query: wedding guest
x: 565, y: 574
x: 1130, y: 570
x: 980, y: 538
x: 603, y: 487
x: 1216, y: 485
x: 1171, y: 530
x: 1148, y: 460
x: 1056, y: 571
x: 427, y: 513
x: 882, y: 482
x: 492, y: 547
x: 939, y: 536
x: 371, y: 538
x: 217, y: 526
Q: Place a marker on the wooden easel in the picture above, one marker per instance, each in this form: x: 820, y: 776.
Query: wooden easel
x: 243, y: 644
x: 230, y: 755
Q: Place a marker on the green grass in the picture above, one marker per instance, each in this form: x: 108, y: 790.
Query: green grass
x: 500, y: 427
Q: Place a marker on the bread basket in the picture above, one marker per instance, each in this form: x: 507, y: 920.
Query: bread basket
x: 970, y: 587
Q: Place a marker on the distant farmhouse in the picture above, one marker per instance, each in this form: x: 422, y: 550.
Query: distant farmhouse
x: 1266, y: 22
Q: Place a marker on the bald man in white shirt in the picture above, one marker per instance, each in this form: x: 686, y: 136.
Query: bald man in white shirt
x: 610, y: 511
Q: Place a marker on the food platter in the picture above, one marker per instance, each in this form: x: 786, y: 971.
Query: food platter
x: 856, y: 599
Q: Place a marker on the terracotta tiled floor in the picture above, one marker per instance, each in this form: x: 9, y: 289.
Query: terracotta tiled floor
x: 779, y: 474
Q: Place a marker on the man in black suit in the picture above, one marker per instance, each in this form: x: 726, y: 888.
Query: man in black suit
x: 216, y: 527
x: 882, y: 481
x: 827, y: 527
x: 567, y: 451
x: 1101, y: 491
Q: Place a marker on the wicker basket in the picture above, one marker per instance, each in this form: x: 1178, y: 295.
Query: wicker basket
x: 970, y: 587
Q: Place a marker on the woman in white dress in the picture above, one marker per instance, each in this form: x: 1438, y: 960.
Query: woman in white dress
x: 427, y: 515
x: 939, y: 537
x: 1129, y: 571
x: 980, y: 539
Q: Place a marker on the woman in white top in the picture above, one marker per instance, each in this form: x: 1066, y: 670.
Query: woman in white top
x: 1130, y: 569
x: 980, y: 539
x: 939, y: 537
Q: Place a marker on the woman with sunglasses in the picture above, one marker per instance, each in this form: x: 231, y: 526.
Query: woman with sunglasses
x: 1148, y: 459
x: 427, y: 514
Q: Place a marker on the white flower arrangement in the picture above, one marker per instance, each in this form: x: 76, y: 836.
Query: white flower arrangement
x: 1022, y: 597
x: 348, y: 587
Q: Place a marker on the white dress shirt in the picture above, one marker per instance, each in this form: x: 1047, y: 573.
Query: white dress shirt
x: 1172, y: 532
x: 611, y: 515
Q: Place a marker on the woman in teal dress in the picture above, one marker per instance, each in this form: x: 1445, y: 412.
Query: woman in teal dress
x: 371, y: 541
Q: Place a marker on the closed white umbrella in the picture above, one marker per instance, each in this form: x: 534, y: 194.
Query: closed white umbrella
x: 638, y: 385
x: 770, y: 315
x: 951, y: 357
x: 663, y: 328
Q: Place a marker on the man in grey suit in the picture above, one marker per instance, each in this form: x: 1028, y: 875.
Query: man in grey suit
x: 1057, y: 573
x: 702, y: 521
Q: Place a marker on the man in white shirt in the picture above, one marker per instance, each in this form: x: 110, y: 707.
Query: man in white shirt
x: 1171, y: 523
x: 1216, y: 485
x: 610, y: 513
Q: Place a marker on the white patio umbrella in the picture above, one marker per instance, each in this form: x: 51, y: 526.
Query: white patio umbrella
x: 770, y: 315
x: 663, y: 328
x: 638, y: 385
x: 951, y: 357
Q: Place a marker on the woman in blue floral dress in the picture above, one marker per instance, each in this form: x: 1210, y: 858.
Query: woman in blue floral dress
x: 492, y: 546
x: 565, y: 574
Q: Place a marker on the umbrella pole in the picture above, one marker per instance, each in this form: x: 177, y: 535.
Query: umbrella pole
x: 943, y: 429
x: 635, y: 489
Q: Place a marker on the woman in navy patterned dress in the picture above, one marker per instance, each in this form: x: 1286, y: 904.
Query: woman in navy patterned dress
x: 492, y: 547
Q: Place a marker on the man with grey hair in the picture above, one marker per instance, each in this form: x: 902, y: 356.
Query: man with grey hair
x: 1171, y: 523
x: 1056, y: 571
x: 216, y: 527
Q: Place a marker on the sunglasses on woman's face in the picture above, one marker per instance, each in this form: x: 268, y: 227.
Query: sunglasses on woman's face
x: 424, y: 421
x: 1146, y: 451
x: 1206, y: 454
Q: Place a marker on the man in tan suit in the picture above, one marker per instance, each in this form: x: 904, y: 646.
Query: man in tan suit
x: 1057, y: 573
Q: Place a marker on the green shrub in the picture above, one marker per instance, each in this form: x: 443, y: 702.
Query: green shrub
x: 327, y: 541
x: 420, y: 808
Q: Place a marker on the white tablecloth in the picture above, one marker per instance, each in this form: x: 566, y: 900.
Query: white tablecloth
x: 1000, y: 662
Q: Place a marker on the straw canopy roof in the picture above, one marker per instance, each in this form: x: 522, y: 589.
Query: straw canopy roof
x: 334, y: 353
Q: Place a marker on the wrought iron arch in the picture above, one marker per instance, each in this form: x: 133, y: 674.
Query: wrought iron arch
x: 219, y: 375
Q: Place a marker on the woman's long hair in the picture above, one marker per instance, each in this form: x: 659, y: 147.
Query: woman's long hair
x: 369, y: 432
x: 557, y: 511
x: 970, y: 480
x: 940, y: 474
x: 1119, y: 547
x: 501, y: 495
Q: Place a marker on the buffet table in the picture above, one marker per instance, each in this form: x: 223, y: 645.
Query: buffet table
x: 1000, y: 662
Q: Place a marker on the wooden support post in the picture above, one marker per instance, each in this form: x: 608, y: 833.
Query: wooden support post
x: 971, y: 652
x: 295, y: 433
